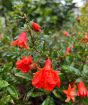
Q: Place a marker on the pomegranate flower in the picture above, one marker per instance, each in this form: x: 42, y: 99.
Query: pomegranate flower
x: 21, y: 42
x: 82, y: 90
x: 66, y: 33
x: 24, y: 64
x: 46, y: 77
x: 71, y: 93
x: 36, y: 27
x: 68, y: 50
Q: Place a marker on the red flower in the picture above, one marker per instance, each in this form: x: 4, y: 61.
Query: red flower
x: 21, y: 42
x: 82, y: 90
x: 24, y: 64
x: 70, y: 92
x: 36, y: 27
x: 68, y: 50
x: 66, y: 33
x: 46, y: 77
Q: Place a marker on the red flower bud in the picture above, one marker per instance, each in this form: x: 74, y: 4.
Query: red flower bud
x: 66, y: 33
x: 68, y: 50
x: 36, y: 27
x: 82, y: 90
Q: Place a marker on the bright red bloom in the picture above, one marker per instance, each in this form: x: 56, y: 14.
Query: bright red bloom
x: 82, y: 90
x: 21, y: 42
x: 66, y: 33
x: 71, y: 93
x: 68, y: 50
x: 36, y: 27
x: 24, y: 64
x: 46, y: 77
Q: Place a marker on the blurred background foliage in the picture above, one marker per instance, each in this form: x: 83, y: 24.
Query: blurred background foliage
x: 52, y: 15
x: 84, y: 17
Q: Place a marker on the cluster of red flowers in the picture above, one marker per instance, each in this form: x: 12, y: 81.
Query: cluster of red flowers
x: 71, y: 91
x: 46, y: 77
x: 21, y: 42
x: 68, y: 49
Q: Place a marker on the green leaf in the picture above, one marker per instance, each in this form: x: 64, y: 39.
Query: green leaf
x: 24, y: 76
x: 48, y: 101
x: 84, y: 73
x: 56, y: 94
x: 37, y: 94
x: 85, y: 101
x: 85, y: 69
x: 5, y: 99
x: 3, y: 83
x: 13, y: 92
x: 70, y: 68
x: 29, y: 93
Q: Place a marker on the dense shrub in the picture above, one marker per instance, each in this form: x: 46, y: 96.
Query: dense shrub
x: 50, y: 14
x: 36, y: 69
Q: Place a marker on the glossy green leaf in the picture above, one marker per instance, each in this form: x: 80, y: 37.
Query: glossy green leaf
x: 24, y: 76
x: 13, y: 92
x: 48, y: 101
x: 3, y: 83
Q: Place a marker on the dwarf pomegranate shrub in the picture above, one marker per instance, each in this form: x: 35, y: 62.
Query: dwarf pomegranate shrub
x: 36, y: 69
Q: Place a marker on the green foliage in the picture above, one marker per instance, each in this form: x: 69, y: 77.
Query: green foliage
x: 16, y: 87
x: 50, y: 14
x: 5, y: 100
x: 3, y: 84
x: 84, y: 18
x: 48, y: 101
